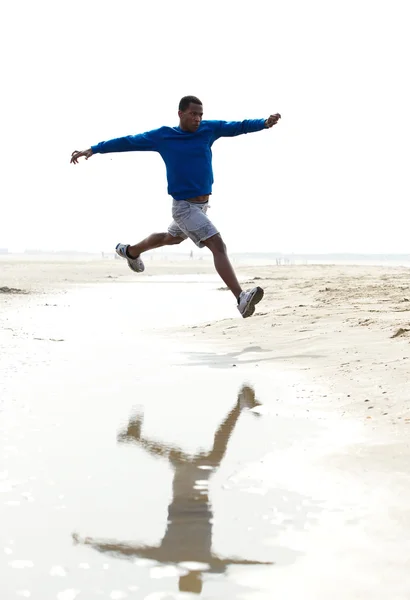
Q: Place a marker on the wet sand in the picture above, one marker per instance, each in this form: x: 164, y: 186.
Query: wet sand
x: 155, y: 445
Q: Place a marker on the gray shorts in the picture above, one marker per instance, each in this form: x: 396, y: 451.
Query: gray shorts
x: 191, y: 221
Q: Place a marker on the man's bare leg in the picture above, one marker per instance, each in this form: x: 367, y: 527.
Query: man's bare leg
x: 223, y: 264
x: 155, y: 240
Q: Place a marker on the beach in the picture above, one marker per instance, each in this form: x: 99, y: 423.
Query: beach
x: 156, y: 445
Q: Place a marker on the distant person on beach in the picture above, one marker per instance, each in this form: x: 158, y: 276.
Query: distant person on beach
x: 186, y: 151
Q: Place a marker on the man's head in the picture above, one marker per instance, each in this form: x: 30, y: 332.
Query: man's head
x: 190, y: 113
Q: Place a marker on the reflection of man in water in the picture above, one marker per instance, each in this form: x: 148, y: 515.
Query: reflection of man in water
x: 188, y: 536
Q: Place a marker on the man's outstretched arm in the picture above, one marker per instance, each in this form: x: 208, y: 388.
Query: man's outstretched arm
x: 130, y: 143
x: 123, y: 549
x: 234, y: 128
x: 226, y: 562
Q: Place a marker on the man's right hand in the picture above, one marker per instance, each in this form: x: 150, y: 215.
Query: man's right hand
x: 76, y: 155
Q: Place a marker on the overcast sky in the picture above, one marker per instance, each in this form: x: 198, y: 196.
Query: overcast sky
x: 332, y: 176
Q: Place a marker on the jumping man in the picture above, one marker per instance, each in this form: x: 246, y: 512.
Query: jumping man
x: 186, y: 151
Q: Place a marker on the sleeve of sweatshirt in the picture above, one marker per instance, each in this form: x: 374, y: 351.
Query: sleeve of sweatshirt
x: 233, y: 128
x: 147, y: 141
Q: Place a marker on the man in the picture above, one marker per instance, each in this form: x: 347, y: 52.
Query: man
x: 186, y: 151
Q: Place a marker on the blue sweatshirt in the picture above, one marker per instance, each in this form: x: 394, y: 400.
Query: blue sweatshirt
x: 187, y: 156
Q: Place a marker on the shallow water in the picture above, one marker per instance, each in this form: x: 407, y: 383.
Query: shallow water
x: 132, y: 467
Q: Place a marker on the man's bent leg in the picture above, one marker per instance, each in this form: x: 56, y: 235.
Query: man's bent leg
x: 155, y: 240
x: 223, y: 264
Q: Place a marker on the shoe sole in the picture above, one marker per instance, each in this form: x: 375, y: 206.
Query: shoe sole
x: 257, y: 297
x: 132, y: 268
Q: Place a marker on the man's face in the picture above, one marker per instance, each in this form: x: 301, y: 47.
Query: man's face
x: 190, y: 119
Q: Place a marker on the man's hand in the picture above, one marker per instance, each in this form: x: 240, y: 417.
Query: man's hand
x: 272, y: 120
x: 76, y: 155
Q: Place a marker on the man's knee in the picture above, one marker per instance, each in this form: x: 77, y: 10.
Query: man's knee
x: 215, y: 244
x: 170, y: 240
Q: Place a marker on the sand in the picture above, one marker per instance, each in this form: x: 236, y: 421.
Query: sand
x: 315, y: 478
x: 347, y: 326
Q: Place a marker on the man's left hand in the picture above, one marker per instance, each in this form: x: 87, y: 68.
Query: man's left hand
x: 272, y: 120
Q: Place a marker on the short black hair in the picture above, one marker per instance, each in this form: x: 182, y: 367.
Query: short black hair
x: 186, y: 101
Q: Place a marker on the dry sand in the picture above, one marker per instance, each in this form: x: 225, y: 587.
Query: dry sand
x: 347, y: 326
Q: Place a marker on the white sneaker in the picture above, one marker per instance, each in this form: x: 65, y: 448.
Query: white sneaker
x: 135, y: 264
x: 247, y: 301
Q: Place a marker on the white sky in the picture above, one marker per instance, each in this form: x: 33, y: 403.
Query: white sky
x: 332, y: 176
